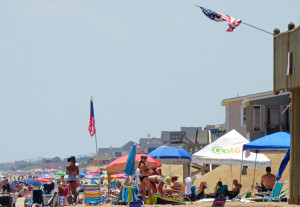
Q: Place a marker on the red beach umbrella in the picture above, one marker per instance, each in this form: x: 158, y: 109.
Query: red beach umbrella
x: 93, y: 171
x: 43, y: 180
x: 119, y: 164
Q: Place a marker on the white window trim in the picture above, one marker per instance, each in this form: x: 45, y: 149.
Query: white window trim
x: 260, y: 117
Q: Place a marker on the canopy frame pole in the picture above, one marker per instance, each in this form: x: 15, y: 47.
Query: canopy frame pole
x: 241, y: 173
x: 254, y: 169
x: 169, y: 168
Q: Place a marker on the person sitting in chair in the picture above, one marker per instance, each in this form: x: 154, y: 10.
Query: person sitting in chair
x: 235, y: 190
x: 267, y: 181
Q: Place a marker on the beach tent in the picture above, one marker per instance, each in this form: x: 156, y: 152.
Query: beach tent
x: 274, y: 143
x: 227, y: 150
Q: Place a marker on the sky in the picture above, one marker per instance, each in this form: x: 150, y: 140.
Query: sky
x: 150, y: 66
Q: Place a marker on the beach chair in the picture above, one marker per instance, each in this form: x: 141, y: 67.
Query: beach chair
x: 220, y: 202
x: 92, y: 194
x: 135, y: 204
x: 270, y: 195
x: 275, y: 193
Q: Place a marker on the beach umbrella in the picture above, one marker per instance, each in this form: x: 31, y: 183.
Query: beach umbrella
x: 283, y: 164
x: 93, y: 171
x: 171, y: 155
x: 50, y: 176
x: 117, y: 176
x: 119, y: 164
x: 91, y: 177
x: 81, y: 174
x: 60, y: 173
x: 43, y: 180
x: 130, y: 165
x: 29, y: 181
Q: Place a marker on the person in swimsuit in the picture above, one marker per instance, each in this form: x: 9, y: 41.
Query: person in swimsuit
x: 72, y: 171
x: 155, y: 179
x: 144, y: 177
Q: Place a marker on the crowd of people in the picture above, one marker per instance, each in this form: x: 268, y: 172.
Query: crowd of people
x: 149, y: 179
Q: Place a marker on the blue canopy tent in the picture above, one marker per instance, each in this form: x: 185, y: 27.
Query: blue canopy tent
x: 274, y: 143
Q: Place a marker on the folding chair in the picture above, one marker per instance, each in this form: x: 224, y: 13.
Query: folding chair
x: 274, y: 194
x: 135, y: 204
x: 92, y: 194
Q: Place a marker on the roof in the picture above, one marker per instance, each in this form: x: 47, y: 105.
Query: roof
x: 248, y: 100
x: 127, y: 146
x: 262, y: 94
x: 144, y: 141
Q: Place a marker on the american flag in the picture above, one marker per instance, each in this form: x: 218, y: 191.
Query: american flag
x: 218, y: 17
x: 92, y: 128
x: 196, y: 137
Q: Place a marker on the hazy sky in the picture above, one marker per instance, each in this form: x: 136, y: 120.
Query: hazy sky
x: 150, y: 65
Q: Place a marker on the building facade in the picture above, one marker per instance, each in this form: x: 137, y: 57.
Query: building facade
x: 257, y: 115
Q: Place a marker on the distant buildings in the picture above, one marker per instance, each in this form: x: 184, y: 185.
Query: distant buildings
x: 53, y: 163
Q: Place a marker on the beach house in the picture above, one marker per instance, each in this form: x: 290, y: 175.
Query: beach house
x: 259, y: 114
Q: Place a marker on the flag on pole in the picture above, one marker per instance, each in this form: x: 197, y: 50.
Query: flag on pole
x: 218, y: 17
x: 196, y: 137
x: 92, y: 128
x: 148, y: 135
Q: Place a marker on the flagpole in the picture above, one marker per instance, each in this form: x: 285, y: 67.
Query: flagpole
x: 97, y: 153
x: 257, y: 28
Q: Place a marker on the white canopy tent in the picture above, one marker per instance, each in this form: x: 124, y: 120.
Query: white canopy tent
x: 227, y: 150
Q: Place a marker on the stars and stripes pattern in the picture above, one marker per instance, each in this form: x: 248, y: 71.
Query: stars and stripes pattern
x: 218, y: 17
x: 92, y: 128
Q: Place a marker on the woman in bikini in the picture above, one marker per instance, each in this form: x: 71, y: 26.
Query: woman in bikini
x: 155, y: 179
x: 145, y: 182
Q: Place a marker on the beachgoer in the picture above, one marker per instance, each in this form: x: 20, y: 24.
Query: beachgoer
x: 267, y: 181
x: 72, y: 171
x: 145, y: 182
x: 6, y: 186
x: 215, y: 193
x: 177, y: 185
x: 137, y: 177
x: 156, y: 179
x: 235, y: 190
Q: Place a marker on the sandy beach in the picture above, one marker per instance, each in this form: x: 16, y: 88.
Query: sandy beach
x: 20, y: 203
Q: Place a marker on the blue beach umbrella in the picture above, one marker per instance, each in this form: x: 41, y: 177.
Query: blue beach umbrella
x: 171, y: 155
x: 130, y: 166
x: 283, y: 164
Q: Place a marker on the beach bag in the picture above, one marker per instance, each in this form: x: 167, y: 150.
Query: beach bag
x: 62, y: 200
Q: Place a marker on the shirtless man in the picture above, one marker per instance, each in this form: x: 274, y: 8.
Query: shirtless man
x: 235, y: 190
x: 267, y: 181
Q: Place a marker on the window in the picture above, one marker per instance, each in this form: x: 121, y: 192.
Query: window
x: 256, y: 118
x: 243, y: 116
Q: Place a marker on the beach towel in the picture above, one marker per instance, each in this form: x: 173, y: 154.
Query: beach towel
x: 128, y: 194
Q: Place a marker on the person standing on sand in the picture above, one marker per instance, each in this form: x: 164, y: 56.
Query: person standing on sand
x: 145, y: 182
x: 72, y: 171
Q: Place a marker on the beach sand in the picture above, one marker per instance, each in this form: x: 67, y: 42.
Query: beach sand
x: 20, y: 203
